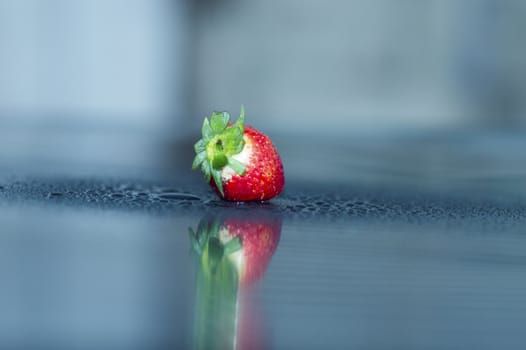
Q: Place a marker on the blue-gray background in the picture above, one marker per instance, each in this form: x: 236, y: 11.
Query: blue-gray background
x: 311, y: 65
x: 143, y: 73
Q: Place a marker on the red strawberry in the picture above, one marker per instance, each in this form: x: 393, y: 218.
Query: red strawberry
x: 240, y: 163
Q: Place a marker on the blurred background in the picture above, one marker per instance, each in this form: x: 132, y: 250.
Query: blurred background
x: 128, y: 82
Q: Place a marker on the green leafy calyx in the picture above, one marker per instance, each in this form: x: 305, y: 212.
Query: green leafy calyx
x: 219, y: 143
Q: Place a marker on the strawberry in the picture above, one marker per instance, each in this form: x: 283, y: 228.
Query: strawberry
x: 240, y: 162
x: 232, y: 255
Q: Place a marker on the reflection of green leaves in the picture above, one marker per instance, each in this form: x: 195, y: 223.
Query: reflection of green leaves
x: 215, y: 309
x: 215, y: 252
x: 196, y: 246
x: 213, y: 228
x: 232, y: 246
x: 207, y: 240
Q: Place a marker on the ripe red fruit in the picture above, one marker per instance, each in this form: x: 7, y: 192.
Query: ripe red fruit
x: 240, y: 163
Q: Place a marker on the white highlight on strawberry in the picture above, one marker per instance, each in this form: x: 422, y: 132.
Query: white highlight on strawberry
x: 243, y: 157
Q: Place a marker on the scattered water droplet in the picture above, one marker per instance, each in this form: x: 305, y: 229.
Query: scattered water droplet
x: 117, y: 195
x: 179, y: 196
x: 54, y: 194
x: 126, y: 187
x: 168, y: 190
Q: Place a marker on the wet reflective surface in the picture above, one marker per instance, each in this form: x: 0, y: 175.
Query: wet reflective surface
x: 232, y: 253
x: 395, y: 260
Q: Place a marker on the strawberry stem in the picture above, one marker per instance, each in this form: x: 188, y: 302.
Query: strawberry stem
x: 219, y: 143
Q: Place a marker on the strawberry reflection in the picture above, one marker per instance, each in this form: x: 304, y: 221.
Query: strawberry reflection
x: 232, y: 254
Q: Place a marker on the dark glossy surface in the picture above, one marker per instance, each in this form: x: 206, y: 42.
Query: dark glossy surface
x: 394, y: 260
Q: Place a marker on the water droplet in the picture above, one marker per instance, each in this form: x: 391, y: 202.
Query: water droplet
x: 126, y: 187
x: 179, y: 196
x: 161, y: 190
